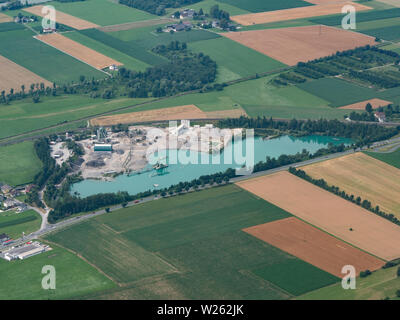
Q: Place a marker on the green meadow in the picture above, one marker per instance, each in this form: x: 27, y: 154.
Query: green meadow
x: 22, y: 279
x: 102, y: 12
x: 13, y: 224
x: 19, y: 163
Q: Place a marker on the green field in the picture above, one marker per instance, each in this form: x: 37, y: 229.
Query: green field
x: 25, y: 116
x: 234, y: 60
x: 364, y: 16
x: 270, y: 5
x: 22, y: 279
x: 19, y: 163
x: 257, y: 98
x: 46, y: 61
x: 390, y: 33
x: 102, y: 12
x: 14, y: 224
x: 129, y: 48
x: 128, y: 61
x: 338, y: 92
x: 207, y: 4
x: 392, y: 158
x: 179, y: 248
x: 380, y: 285
x: 296, y: 276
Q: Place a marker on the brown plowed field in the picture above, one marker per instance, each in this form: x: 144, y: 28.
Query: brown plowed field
x: 314, y: 246
x: 364, y: 176
x: 13, y: 76
x: 165, y: 114
x: 328, y: 212
x: 376, y: 103
x: 5, y: 18
x: 64, y: 18
x: 78, y: 51
x: 300, y: 44
x: 295, y: 13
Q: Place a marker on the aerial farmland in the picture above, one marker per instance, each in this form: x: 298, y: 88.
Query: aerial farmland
x: 199, y: 150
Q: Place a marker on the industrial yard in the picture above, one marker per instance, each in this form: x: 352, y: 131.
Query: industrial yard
x: 109, y: 153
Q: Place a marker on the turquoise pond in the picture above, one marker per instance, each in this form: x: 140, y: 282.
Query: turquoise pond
x: 202, y: 164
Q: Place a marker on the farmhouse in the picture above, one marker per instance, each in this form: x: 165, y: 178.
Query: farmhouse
x: 380, y: 116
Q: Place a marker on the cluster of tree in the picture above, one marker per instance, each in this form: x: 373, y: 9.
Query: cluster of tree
x: 381, y: 80
x: 364, y: 116
x: 361, y: 134
x: 217, y: 13
x: 157, y: 7
x: 36, y: 90
x: 349, y: 62
x: 186, y: 71
x: 336, y: 190
x: 12, y: 5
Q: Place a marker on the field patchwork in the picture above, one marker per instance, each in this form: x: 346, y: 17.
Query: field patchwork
x: 363, y: 176
x: 63, y: 18
x: 300, y: 44
x: 13, y: 76
x: 78, y: 51
x: 335, y: 215
x: 295, y: 13
x: 314, y: 246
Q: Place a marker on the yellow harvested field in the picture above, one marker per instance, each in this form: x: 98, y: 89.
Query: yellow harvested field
x: 375, y: 103
x: 336, y: 216
x: 13, y: 76
x: 64, y: 18
x: 295, y: 13
x: 5, y: 18
x: 78, y: 51
x: 189, y: 112
x: 300, y: 44
x: 363, y: 176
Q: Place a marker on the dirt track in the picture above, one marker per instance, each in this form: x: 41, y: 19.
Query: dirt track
x: 13, y: 76
x: 328, y: 212
x: 314, y: 246
x: 295, y: 13
x: 165, y: 114
x: 64, y: 18
x: 375, y: 103
x: 78, y: 51
x: 362, y: 176
x: 300, y: 44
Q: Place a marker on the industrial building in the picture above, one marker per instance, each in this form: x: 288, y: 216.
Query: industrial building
x: 103, y: 147
x: 25, y: 251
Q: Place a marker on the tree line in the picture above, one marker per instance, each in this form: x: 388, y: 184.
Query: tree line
x: 360, y: 133
x: 157, y: 7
